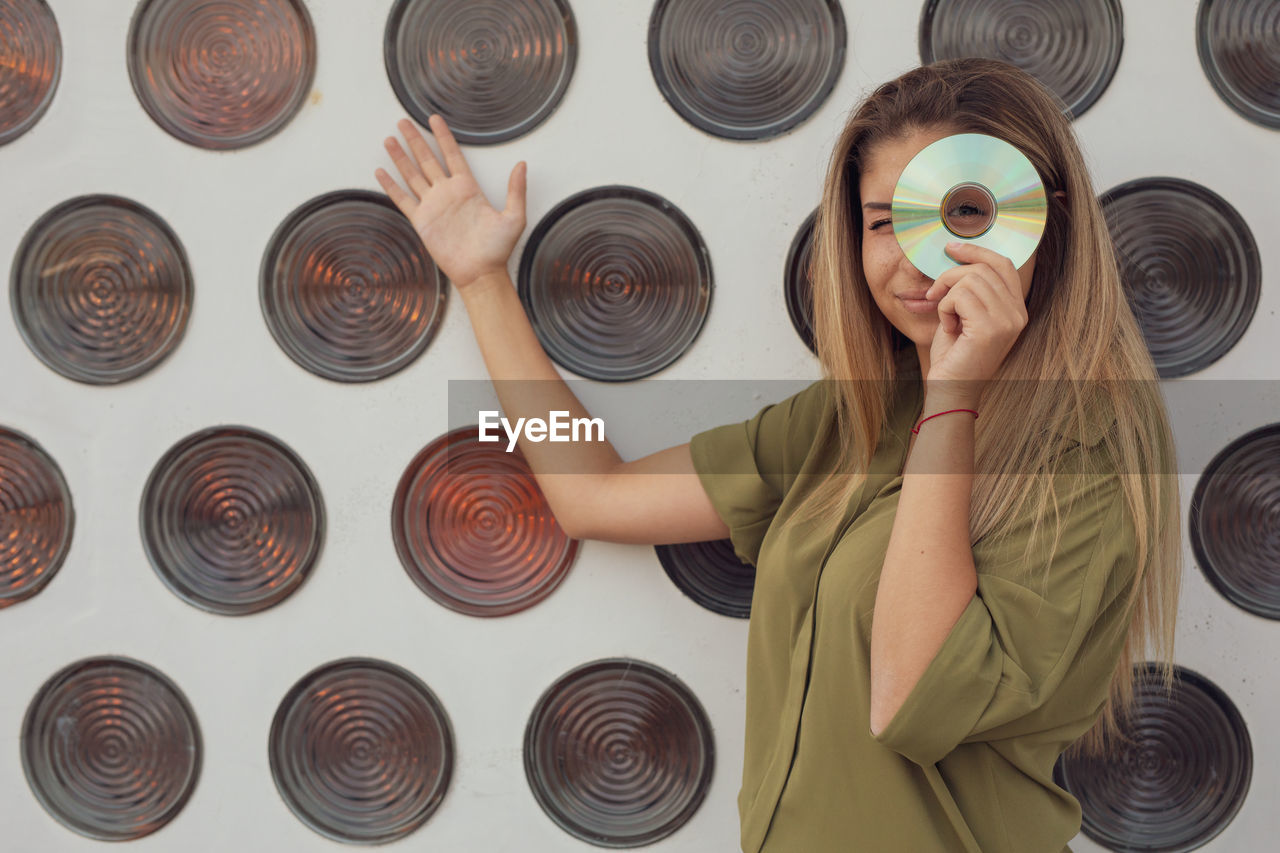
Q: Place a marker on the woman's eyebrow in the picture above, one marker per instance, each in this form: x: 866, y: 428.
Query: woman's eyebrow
x: 878, y: 205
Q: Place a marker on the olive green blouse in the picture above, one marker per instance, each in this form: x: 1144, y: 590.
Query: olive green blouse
x: 966, y: 764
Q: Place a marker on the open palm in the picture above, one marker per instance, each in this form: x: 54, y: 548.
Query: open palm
x: 465, y: 235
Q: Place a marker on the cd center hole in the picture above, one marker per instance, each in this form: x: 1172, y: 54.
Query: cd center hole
x: 968, y: 210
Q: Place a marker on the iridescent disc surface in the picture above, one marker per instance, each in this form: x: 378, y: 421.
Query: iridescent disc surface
x: 36, y: 517
x: 962, y: 183
x: 361, y: 751
x: 111, y: 748
x: 619, y: 752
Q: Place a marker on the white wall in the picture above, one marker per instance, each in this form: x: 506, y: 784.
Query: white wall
x: 1159, y: 117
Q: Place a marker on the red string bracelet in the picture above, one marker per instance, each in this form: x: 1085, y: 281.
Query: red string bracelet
x: 916, y: 429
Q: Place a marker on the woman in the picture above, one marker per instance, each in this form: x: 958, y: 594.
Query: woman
x: 924, y: 640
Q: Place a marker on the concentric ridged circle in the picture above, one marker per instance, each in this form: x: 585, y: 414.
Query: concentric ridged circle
x: 1072, y: 48
x: 711, y: 574
x: 1239, y: 46
x: 799, y: 284
x: 619, y: 752
x: 1191, y: 269
x: 222, y: 74
x: 1234, y: 515
x: 30, y: 65
x: 111, y: 748
x: 347, y: 288
x: 1179, y: 778
x: 36, y: 517
x: 495, y: 69
x: 101, y: 289
x: 232, y: 520
x: 474, y: 531
x: 617, y: 283
x: 361, y: 751
x: 746, y: 69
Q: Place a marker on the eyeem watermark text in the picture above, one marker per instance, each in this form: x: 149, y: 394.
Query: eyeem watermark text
x: 560, y: 427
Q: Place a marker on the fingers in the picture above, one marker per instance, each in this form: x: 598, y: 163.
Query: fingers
x: 413, y: 176
x: 448, y: 145
x: 399, y: 197
x: 1006, y: 272
x: 516, y: 186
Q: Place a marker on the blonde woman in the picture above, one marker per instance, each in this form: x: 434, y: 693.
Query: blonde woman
x: 944, y: 603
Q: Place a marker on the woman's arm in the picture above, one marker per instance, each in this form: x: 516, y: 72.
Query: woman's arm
x: 928, y: 576
x: 656, y: 499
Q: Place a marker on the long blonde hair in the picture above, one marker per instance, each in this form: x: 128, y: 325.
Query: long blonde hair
x: 1080, y: 333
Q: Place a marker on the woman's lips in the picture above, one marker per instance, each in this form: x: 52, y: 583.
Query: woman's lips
x: 920, y: 306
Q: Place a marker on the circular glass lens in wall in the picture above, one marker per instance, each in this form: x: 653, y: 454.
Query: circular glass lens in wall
x: 474, y: 531
x: 111, y: 748
x: 1072, y: 48
x: 1234, y: 529
x: 619, y: 753
x: 348, y: 289
x: 232, y: 520
x: 361, y: 751
x: 1239, y: 46
x: 746, y: 69
x: 1190, y: 267
x: 101, y: 289
x: 36, y: 517
x: 495, y: 69
x: 221, y: 75
x: 711, y: 574
x: 29, y: 76
x: 1179, y: 776
x: 617, y: 283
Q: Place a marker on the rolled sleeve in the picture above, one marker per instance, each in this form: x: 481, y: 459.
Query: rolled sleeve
x: 747, y: 467
x: 1015, y: 640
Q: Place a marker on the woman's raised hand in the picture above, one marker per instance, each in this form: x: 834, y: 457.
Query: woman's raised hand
x: 464, y: 234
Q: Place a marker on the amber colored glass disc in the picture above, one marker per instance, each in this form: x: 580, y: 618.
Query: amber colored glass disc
x: 36, y: 517
x: 111, y: 748
x: 347, y: 288
x: 232, y: 520
x: 223, y: 74
x: 617, y: 283
x: 495, y: 69
x: 361, y: 751
x: 101, y: 289
x: 30, y: 64
x: 619, y: 753
x: 474, y: 531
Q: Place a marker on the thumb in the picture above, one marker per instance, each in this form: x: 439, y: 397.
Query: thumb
x: 516, y: 185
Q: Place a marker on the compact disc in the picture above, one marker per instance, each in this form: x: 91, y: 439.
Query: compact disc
x: 972, y: 188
